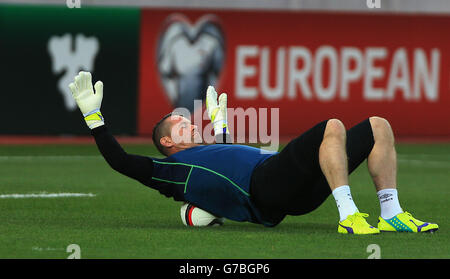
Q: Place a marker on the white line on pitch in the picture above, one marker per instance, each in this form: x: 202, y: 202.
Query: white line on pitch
x: 49, y: 157
x: 45, y: 195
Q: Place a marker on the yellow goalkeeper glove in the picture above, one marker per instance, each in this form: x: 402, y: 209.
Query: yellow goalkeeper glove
x: 217, y: 111
x: 88, y: 102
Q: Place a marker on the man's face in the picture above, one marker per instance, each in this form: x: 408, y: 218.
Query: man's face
x: 183, y: 132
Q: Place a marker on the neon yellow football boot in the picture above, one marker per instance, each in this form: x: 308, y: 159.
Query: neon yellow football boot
x: 405, y: 222
x: 357, y: 224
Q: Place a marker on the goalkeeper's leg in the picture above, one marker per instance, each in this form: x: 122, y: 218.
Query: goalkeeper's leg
x: 334, y: 164
x: 382, y: 165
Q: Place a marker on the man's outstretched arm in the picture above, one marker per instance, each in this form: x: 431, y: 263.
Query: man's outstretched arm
x: 134, y: 166
x: 89, y: 103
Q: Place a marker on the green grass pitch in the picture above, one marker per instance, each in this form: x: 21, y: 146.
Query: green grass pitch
x: 127, y: 220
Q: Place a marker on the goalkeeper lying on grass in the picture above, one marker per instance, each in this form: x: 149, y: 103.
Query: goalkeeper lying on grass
x: 242, y: 183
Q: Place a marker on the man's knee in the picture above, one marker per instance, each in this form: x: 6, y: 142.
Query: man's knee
x: 335, y: 128
x: 381, y: 128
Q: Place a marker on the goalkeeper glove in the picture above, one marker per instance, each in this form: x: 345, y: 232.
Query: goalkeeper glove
x: 217, y: 111
x: 88, y: 102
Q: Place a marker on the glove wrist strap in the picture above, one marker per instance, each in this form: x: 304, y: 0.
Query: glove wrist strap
x: 220, y: 127
x: 91, y: 112
x: 94, y: 119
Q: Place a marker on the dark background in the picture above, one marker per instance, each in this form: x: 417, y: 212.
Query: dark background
x: 31, y: 102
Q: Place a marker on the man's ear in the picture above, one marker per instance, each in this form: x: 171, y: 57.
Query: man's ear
x: 166, y: 141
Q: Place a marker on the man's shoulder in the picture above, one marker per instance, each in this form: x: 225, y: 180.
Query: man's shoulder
x: 211, y: 147
x: 221, y: 150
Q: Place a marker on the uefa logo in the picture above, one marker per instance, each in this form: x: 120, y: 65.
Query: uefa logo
x: 373, y: 4
x: 190, y: 57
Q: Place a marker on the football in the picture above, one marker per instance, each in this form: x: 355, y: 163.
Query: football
x: 192, y: 216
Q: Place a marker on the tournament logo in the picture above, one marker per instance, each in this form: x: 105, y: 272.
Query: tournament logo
x: 190, y: 56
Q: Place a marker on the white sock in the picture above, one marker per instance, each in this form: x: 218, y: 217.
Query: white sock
x: 344, y: 202
x: 389, y: 204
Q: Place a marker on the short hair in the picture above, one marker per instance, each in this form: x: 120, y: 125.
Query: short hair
x: 158, y: 133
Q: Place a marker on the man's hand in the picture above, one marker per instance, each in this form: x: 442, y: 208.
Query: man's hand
x: 217, y: 111
x: 88, y: 102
